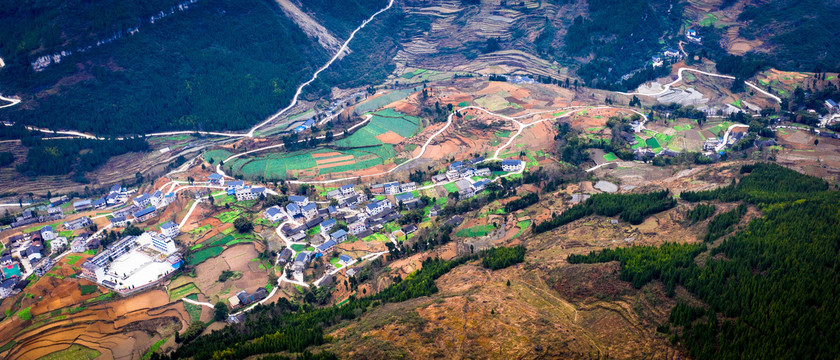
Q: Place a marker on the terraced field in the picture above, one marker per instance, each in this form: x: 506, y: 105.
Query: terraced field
x: 369, y: 146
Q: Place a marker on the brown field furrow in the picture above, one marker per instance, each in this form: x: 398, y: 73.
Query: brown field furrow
x: 333, y: 159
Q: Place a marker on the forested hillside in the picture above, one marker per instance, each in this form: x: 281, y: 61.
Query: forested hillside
x: 213, y: 65
x: 770, y: 290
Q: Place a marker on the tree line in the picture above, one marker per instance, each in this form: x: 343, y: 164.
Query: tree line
x: 770, y: 290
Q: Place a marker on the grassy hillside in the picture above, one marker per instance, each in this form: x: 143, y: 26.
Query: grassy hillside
x: 217, y: 65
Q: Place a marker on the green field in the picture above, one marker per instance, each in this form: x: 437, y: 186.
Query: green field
x: 652, y: 143
x: 737, y: 103
x: 216, y: 155
x: 228, y: 217
x: 376, y: 237
x: 74, y: 352
x: 503, y: 134
x: 24, y: 314
x: 610, y: 157
x: 523, y: 225
x: 450, y: 187
x: 463, y: 103
x: 334, y: 262
x: 73, y: 259
x: 154, y: 348
x: 709, y: 20
x: 298, y: 247
x: 87, y: 289
x: 201, y: 255
x: 682, y: 127
x: 476, y: 231
x: 382, y: 100
x: 182, y: 292
x: 382, y: 121
x: 414, y: 73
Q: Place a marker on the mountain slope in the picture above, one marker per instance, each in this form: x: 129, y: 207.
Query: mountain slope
x: 215, y: 65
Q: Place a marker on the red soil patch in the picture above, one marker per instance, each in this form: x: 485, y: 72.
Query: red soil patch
x: 348, y: 162
x: 334, y: 159
x: 327, y: 154
x: 390, y: 137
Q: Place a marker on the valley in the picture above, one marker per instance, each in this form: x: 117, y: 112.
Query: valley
x: 443, y: 179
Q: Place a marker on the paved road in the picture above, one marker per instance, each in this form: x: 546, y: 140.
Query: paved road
x: 680, y: 77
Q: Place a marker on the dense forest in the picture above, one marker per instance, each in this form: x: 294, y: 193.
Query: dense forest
x: 219, y: 65
x: 501, y: 257
x: 621, y: 36
x: 63, y: 156
x: 633, y: 208
x: 771, y: 289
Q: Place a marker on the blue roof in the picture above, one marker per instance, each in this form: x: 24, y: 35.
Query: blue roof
x: 292, y: 207
x: 301, y: 256
x: 338, y: 234
x: 145, y: 211
x: 47, y: 228
x: 116, y: 188
x: 117, y: 219
x: 345, y: 258
x: 511, y: 162
x: 309, y: 122
x: 328, y: 222
x: 272, y: 211
x: 331, y: 209
x: 296, y: 198
x: 372, y: 205
x: 404, y: 197
x: 308, y: 207
x: 456, y: 164
x: 235, y: 183
x: 348, y: 186
x: 214, y: 176
x: 98, y: 202
x: 392, y: 183
x: 157, y: 193
x: 142, y: 197
x: 168, y: 225
x: 326, y: 245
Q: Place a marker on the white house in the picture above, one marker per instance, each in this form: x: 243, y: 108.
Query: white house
x: 273, y: 214
x: 409, y: 186
x: 216, y: 179
x: 235, y: 184
x: 299, y: 200
x: 357, y: 227
x: 309, y: 211
x: 483, y: 172
x: 78, y: 245
x: 58, y: 243
x: 392, y: 188
x: 327, y: 225
x: 245, y: 194
x: 375, y: 207
x: 156, y: 199
x: 453, y: 174
x: 339, y: 236
x: 143, y: 200
x: 348, y: 189
x: 292, y: 209
x: 170, y: 229
x: 47, y: 233
x: 511, y: 165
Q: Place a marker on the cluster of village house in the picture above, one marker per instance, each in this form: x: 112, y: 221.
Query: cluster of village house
x: 361, y: 215
x: 364, y: 216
